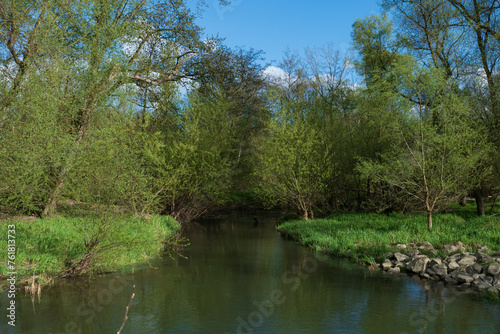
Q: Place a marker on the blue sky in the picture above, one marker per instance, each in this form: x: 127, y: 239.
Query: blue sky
x: 275, y: 25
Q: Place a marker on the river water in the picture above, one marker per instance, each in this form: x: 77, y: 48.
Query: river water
x: 243, y: 277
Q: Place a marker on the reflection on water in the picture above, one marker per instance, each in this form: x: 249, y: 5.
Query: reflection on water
x: 242, y: 277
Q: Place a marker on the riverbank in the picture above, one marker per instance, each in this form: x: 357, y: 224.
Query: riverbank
x: 400, y: 241
x: 70, y: 246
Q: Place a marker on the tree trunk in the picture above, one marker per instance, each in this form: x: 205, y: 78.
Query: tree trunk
x: 478, y: 194
x: 83, y: 124
x: 51, y: 204
x: 429, y: 220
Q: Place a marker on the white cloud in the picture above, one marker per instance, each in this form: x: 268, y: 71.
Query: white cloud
x: 275, y: 74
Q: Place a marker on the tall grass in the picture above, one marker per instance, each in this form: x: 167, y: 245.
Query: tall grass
x: 50, y: 246
x: 367, y: 237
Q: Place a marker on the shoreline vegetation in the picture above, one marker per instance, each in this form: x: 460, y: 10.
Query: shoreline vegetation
x: 59, y: 247
x: 396, y: 243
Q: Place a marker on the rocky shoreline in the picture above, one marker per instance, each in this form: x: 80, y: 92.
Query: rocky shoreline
x: 478, y: 271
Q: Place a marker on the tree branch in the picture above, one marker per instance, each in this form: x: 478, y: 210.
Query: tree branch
x: 127, y: 309
x: 173, y: 76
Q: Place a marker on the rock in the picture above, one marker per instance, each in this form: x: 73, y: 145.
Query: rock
x: 424, y: 275
x: 453, y: 265
x: 425, y: 245
x: 494, y: 269
x: 482, y: 248
x: 401, y: 246
x: 461, y: 270
x: 454, y: 257
x: 489, y: 279
x: 400, y: 264
x: 454, y: 247
x: 418, y: 264
x: 394, y: 270
x: 400, y: 257
x: 435, y: 261
x: 482, y: 286
x: 450, y: 249
x: 464, y: 278
x: 440, y: 270
x: 474, y: 269
x: 482, y: 257
x: 386, y: 264
x: 450, y: 280
x: 413, y: 253
x: 389, y: 255
x: 467, y: 260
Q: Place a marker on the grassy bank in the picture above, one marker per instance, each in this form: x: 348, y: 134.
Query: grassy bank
x: 367, y: 237
x: 58, y: 246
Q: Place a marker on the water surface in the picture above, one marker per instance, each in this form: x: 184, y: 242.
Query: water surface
x: 242, y: 277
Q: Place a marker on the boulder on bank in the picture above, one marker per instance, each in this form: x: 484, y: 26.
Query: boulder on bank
x: 454, y: 247
x: 464, y: 278
x: 401, y: 257
x: 425, y: 245
x: 386, y: 264
x: 483, y: 257
x: 418, y: 264
x: 494, y: 269
x: 479, y: 271
x: 467, y: 260
x: 394, y: 270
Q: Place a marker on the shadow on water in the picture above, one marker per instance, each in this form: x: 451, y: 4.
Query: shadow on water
x: 240, y: 276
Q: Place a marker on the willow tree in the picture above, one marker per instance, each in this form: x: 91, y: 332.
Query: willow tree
x: 191, y: 170
x: 293, y: 164
x: 110, y: 45
x: 431, y: 162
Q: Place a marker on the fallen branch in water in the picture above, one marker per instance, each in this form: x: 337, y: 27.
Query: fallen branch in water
x: 127, y: 308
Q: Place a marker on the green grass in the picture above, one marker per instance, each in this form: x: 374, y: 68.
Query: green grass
x: 367, y: 237
x: 49, y: 246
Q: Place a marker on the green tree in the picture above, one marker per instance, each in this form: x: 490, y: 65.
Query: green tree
x: 431, y: 31
x: 331, y: 109
x: 480, y: 21
x: 460, y: 38
x: 110, y: 46
x: 35, y: 137
x: 431, y: 163
x: 192, y: 168
x: 236, y: 74
x: 293, y: 158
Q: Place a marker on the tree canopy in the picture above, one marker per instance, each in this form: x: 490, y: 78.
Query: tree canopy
x: 125, y: 104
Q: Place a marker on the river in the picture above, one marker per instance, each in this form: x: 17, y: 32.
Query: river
x: 240, y: 276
